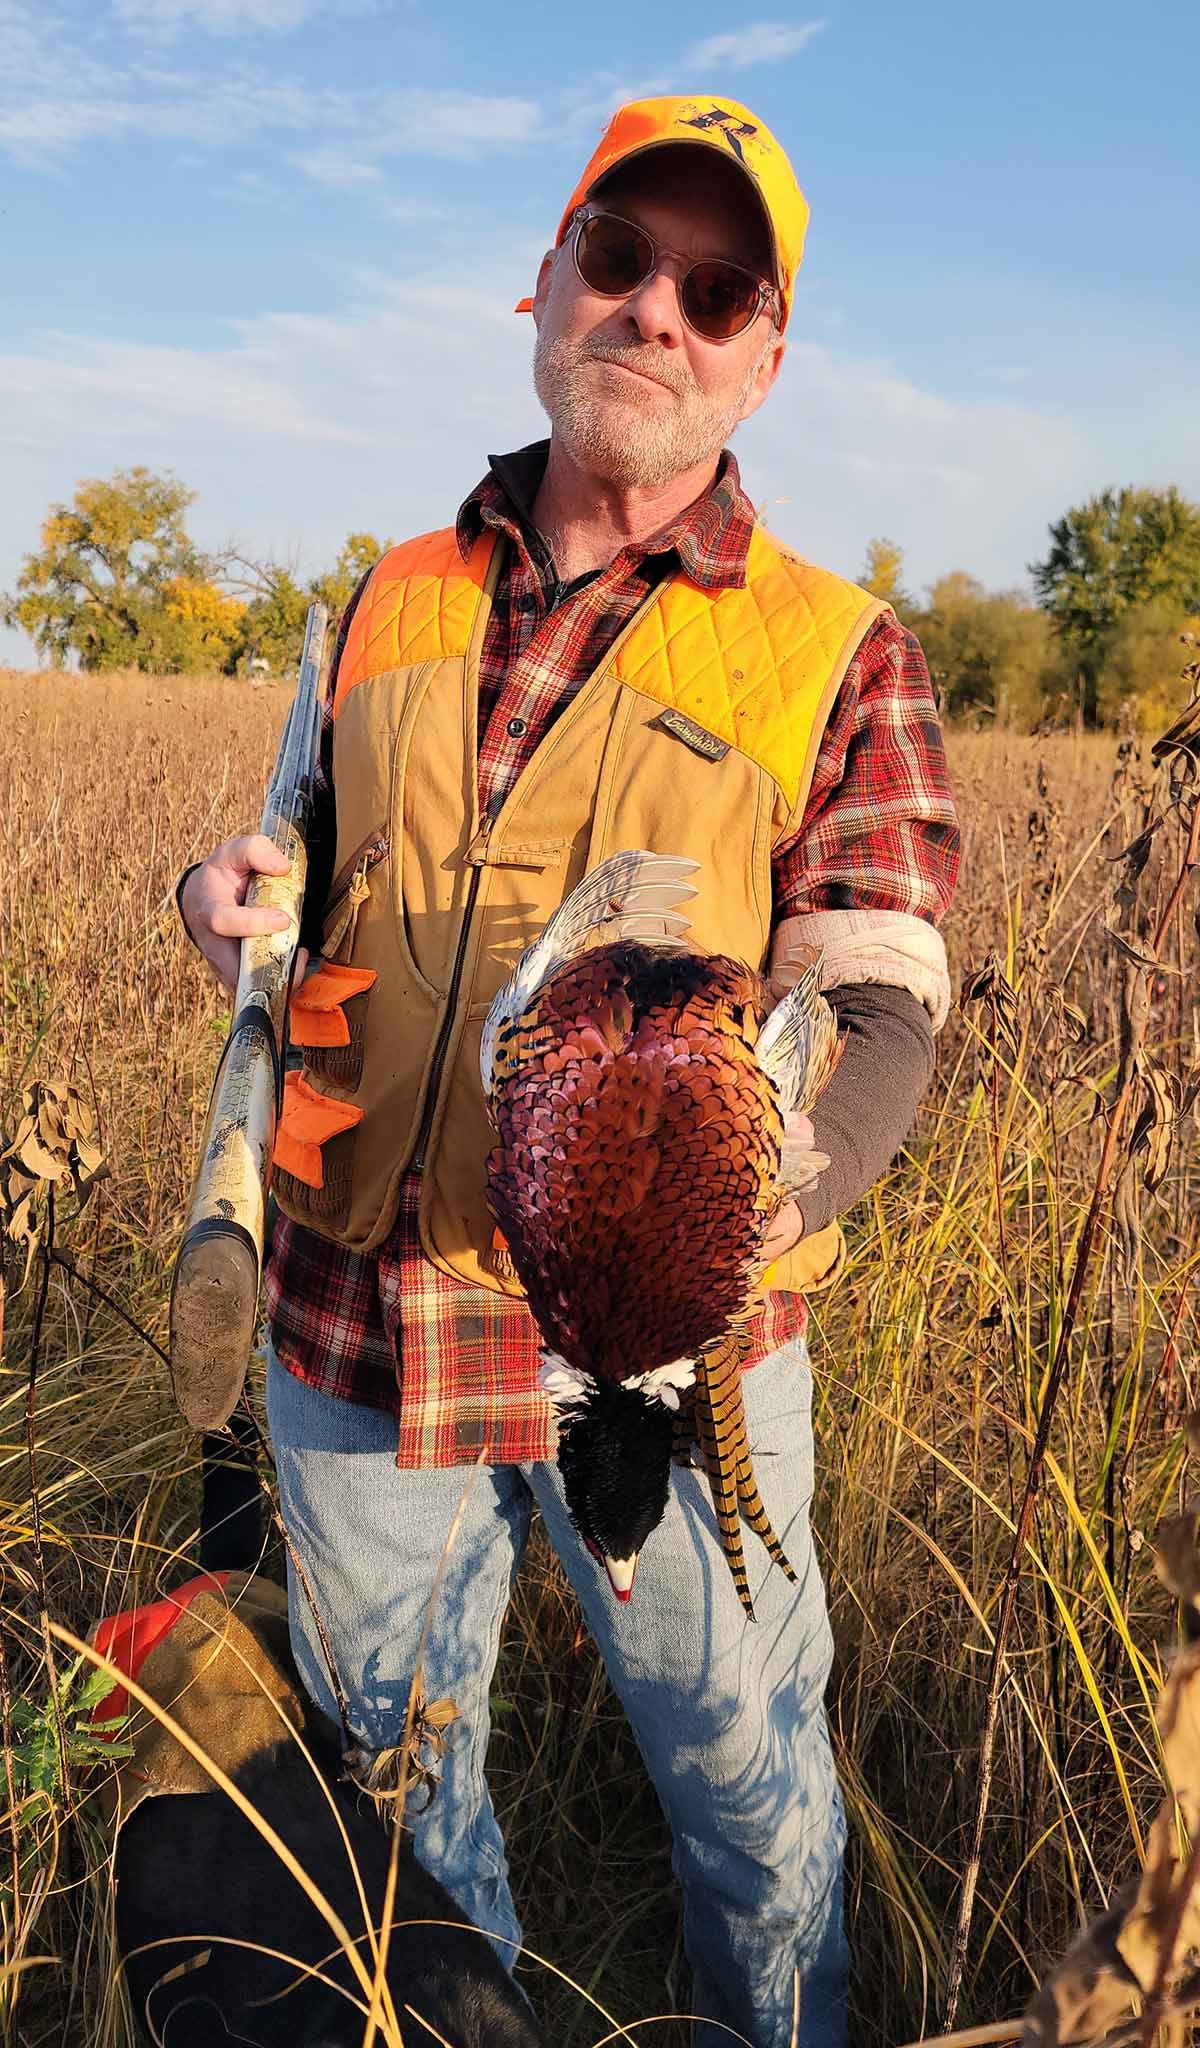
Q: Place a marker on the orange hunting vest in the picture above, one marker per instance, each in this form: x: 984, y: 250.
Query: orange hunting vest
x: 696, y: 735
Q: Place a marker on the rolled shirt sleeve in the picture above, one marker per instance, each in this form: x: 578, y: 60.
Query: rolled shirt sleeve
x: 866, y: 878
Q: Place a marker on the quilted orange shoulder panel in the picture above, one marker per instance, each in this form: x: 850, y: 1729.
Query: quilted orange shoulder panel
x: 419, y: 605
x: 752, y: 665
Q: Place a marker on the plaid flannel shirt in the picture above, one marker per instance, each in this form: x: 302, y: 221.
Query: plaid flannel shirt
x: 458, y: 1364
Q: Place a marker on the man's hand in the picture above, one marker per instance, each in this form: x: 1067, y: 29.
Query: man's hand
x: 213, y: 903
x: 787, y: 1225
x: 785, y: 1233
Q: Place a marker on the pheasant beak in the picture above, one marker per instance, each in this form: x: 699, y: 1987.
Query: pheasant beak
x: 621, y: 1573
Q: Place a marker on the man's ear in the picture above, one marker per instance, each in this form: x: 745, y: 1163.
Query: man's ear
x: 768, y: 370
x: 542, y: 290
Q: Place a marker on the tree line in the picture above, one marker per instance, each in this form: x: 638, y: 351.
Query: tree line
x: 1103, y: 636
x: 117, y: 582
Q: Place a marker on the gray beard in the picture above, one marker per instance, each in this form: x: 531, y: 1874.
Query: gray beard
x: 610, y: 440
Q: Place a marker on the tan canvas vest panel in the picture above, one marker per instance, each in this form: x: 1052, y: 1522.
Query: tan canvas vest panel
x: 696, y: 735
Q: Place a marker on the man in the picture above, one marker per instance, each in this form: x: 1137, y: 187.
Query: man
x: 606, y: 651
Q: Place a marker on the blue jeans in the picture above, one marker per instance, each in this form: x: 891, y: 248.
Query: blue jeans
x: 728, y: 1714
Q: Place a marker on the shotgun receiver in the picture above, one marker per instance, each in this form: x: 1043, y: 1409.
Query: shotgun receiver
x: 214, y: 1294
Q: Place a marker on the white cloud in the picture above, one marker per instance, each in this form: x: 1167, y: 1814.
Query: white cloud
x: 451, y: 124
x: 45, y: 128
x: 379, y: 415
x: 415, y: 213
x: 418, y: 123
x: 302, y: 429
x: 43, y: 118
x: 116, y: 386
x: 764, y: 42
x: 858, y: 448
x: 32, y: 41
x: 222, y: 17
x: 338, y: 168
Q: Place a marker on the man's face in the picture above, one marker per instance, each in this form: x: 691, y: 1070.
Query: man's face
x: 637, y: 397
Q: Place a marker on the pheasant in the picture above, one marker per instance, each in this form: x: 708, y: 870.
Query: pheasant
x: 639, y: 1088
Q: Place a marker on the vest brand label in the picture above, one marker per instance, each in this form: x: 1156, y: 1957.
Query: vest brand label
x: 694, y: 736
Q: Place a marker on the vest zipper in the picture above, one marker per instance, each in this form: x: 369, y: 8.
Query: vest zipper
x: 475, y: 856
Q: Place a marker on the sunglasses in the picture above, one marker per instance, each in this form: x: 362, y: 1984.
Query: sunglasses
x: 718, y: 300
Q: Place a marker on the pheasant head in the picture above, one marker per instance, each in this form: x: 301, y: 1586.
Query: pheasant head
x: 614, y: 1453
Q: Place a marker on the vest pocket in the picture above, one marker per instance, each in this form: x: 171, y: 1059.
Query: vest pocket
x: 327, y: 1020
x: 337, y: 1054
x: 350, y: 890
x: 314, y: 1150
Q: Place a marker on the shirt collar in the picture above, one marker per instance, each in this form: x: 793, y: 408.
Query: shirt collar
x: 711, y: 537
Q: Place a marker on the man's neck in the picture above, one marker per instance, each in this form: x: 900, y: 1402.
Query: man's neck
x: 586, y: 521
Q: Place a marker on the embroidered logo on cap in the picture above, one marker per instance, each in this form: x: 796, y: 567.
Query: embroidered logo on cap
x: 731, y: 128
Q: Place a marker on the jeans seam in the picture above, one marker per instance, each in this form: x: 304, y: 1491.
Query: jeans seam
x: 480, y: 1790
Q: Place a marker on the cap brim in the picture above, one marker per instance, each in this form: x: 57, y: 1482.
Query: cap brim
x: 716, y: 149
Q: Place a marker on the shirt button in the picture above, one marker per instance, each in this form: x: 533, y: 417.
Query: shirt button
x: 515, y: 728
x: 528, y: 603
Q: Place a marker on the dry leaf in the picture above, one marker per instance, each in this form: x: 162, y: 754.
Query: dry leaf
x: 1070, y: 1022
x: 1148, y: 1939
x: 1134, y: 857
x: 1181, y: 738
x: 385, y: 1774
x: 1179, y: 1724
x: 1176, y: 1559
x: 1139, y: 959
x: 989, y: 985
x: 1154, y: 1127
x: 53, y: 1147
x: 1090, y: 1990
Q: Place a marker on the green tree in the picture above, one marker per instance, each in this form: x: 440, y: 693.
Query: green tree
x: 989, y: 652
x: 360, y: 552
x: 273, y: 621
x: 1141, y: 685
x: 883, y: 574
x: 105, y: 586
x: 1119, y: 551
x: 273, y: 624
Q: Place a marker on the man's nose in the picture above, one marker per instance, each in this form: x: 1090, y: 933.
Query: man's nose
x: 654, y: 310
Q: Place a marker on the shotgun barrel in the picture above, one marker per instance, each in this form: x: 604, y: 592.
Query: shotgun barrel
x: 214, y: 1294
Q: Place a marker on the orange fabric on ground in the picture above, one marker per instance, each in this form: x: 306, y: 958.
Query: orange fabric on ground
x: 128, y: 1638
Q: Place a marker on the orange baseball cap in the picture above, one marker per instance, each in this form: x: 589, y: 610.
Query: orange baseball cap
x: 732, y: 130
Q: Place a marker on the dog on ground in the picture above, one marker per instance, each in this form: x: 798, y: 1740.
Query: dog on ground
x: 220, y: 1942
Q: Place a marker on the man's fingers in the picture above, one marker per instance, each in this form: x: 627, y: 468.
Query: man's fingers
x: 235, y: 921
x: 785, y: 1232
x: 253, y: 854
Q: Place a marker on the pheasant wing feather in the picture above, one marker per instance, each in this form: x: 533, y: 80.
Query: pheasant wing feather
x: 799, y: 1045
x: 630, y: 895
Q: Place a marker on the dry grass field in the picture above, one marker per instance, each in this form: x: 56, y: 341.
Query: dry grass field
x: 937, y: 1356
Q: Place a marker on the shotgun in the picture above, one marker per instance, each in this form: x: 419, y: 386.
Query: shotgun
x: 214, y: 1293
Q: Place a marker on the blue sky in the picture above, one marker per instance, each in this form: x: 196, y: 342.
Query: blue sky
x: 273, y: 245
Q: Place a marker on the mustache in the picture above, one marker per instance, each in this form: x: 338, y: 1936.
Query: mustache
x: 644, y: 357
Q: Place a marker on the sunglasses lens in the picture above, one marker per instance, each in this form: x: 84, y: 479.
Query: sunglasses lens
x: 613, y: 256
x: 718, y: 299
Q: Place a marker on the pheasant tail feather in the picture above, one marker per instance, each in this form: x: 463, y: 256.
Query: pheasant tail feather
x: 721, y: 1428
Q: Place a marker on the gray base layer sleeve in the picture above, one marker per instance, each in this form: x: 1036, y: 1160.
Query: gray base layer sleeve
x: 870, y: 1105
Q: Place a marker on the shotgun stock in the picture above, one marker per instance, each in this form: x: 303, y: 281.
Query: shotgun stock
x: 214, y: 1294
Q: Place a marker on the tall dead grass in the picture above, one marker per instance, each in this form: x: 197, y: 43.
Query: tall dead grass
x: 932, y: 1356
